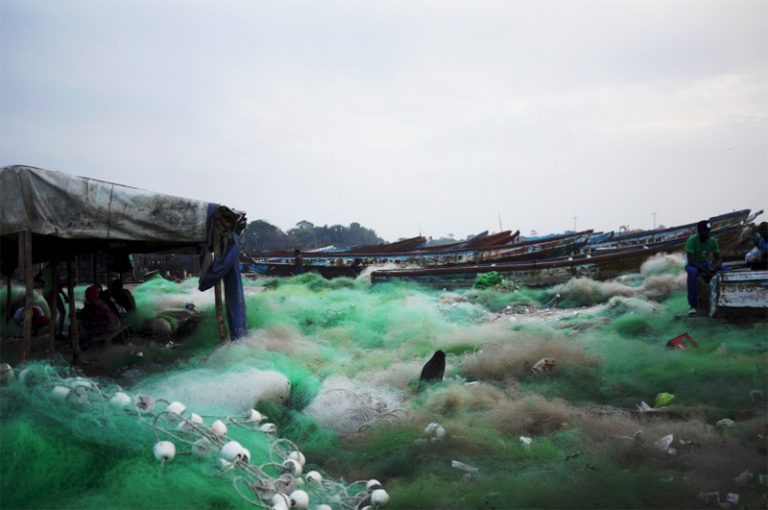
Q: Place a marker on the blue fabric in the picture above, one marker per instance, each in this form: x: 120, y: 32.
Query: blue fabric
x: 227, y: 268
x: 693, y: 274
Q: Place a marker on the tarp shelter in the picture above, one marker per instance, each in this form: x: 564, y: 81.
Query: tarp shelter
x: 58, y: 216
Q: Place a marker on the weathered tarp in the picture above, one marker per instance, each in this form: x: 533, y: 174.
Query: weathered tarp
x: 53, y: 203
x: 68, y: 214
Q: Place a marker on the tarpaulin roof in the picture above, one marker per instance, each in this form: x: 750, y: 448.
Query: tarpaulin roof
x: 61, y: 205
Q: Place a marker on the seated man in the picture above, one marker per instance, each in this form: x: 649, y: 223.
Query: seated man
x: 96, y: 317
x: 703, y: 260
x: 757, y: 258
x: 122, y: 296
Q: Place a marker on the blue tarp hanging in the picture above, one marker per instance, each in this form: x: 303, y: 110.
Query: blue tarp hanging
x: 227, y: 268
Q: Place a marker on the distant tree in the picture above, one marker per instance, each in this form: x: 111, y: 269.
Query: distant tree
x: 260, y: 235
x: 305, y: 225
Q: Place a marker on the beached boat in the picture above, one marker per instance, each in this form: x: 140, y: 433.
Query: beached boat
x: 601, y: 265
x: 554, y: 246
x: 681, y: 231
x: 741, y: 293
x: 289, y: 269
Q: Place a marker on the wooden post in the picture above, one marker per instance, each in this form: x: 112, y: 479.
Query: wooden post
x: 217, y: 287
x: 53, y: 267
x: 25, y: 255
x: 74, y: 332
x: 8, y: 291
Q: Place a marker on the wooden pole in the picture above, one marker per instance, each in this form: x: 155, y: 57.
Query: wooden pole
x: 25, y: 243
x: 8, y: 291
x: 217, y: 287
x: 74, y: 333
x: 53, y: 268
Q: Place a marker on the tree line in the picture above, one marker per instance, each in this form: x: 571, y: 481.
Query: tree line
x: 261, y: 235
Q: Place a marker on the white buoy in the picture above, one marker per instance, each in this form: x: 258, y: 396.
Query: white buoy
x: 292, y: 466
x: 246, y: 456
x: 61, y: 392
x: 323, y: 507
x: 299, y: 499
x: 379, y: 497
x: 268, y: 428
x: 298, y: 456
x: 164, y: 451
x: 202, y: 447
x: 176, y: 408
x: 439, y: 432
x: 225, y: 464
x: 255, y: 417
x: 281, y: 499
x: 196, y: 419
x: 430, y: 429
x: 120, y: 399
x: 6, y: 372
x: 313, y: 477
x: 232, y: 451
x: 372, y: 485
x: 279, y: 506
x: 219, y: 428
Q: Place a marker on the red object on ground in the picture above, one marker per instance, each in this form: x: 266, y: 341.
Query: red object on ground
x: 679, y: 341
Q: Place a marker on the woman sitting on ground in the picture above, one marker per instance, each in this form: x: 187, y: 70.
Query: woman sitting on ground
x: 96, y: 317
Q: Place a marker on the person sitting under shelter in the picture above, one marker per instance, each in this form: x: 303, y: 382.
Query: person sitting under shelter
x: 757, y: 258
x: 704, y: 261
x: 39, y: 320
x: 119, y: 298
x: 96, y: 317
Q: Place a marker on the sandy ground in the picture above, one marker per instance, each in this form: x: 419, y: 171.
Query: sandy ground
x: 113, y: 359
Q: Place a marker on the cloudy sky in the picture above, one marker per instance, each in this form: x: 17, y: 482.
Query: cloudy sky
x: 410, y: 116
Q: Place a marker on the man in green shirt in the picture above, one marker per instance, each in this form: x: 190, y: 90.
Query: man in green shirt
x: 703, y: 260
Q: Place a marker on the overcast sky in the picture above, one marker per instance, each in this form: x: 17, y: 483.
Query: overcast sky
x: 406, y: 116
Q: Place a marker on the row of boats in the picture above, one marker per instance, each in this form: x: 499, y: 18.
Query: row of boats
x: 540, y: 261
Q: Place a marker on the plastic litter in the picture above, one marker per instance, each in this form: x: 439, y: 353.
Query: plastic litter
x: 663, y: 399
x: 725, y: 423
x: 543, y: 365
x: 643, y: 407
x: 526, y: 442
x: 744, y: 478
x: 679, y: 342
x: 665, y: 442
x: 464, y: 467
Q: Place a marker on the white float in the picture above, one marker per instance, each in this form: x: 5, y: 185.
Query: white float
x: 164, y: 451
x: 219, y: 428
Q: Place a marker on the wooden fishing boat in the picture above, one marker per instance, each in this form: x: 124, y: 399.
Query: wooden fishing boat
x: 285, y: 269
x: 741, y: 293
x: 719, y: 222
x: 554, y: 246
x: 601, y: 265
